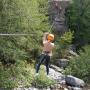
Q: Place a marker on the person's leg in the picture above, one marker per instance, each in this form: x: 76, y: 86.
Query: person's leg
x: 42, y: 57
x: 47, y: 64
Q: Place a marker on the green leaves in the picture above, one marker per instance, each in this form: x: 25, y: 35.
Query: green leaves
x: 42, y: 80
x: 18, y: 74
x: 23, y: 16
x: 80, y: 66
x: 20, y: 17
x: 64, y: 43
x: 66, y: 38
x: 78, y: 20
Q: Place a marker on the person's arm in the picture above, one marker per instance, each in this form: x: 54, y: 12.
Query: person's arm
x: 45, y: 37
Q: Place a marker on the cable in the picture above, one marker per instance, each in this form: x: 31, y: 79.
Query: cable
x: 2, y: 34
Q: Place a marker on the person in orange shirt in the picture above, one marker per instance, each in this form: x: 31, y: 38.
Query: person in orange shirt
x: 48, y: 46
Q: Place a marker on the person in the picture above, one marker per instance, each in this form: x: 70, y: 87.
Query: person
x: 48, y: 46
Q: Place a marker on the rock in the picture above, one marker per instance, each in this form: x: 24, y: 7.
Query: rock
x: 74, y: 88
x: 65, y: 89
x: 73, y: 53
x: 69, y: 57
x: 61, y: 81
x: 54, y: 74
x: 32, y: 88
x: 58, y: 77
x: 58, y: 87
x: 58, y: 69
x: 73, y: 81
x: 62, y: 62
x: 56, y: 11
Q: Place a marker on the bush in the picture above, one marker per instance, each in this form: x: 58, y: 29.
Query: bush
x: 22, y: 74
x: 42, y: 80
x: 80, y: 66
x: 21, y: 17
x: 19, y: 74
x: 63, y: 44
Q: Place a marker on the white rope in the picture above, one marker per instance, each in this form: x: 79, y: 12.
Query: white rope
x: 15, y: 34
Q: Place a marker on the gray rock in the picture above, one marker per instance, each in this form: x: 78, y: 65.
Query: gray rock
x: 32, y: 88
x: 57, y: 10
x: 58, y: 69
x: 62, y: 62
x: 66, y: 89
x: 74, y: 81
x: 57, y: 76
x: 76, y: 88
x: 54, y: 74
x: 73, y: 53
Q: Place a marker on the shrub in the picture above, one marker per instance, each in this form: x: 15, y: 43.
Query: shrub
x: 19, y: 74
x: 22, y: 74
x: 42, y: 80
x: 80, y: 66
x: 63, y: 44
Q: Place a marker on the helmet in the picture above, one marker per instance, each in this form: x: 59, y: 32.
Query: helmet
x: 50, y: 37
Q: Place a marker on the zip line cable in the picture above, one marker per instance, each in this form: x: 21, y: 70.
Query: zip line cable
x: 10, y: 34
x: 16, y: 34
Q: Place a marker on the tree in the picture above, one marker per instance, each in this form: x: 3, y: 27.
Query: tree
x: 22, y: 16
x: 80, y: 66
x: 78, y: 20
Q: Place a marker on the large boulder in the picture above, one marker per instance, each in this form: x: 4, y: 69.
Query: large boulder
x: 57, y: 76
x: 74, y: 81
x: 54, y: 74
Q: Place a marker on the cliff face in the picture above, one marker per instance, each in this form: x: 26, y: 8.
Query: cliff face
x: 57, y: 10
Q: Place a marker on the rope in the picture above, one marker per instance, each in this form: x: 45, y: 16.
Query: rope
x: 16, y: 34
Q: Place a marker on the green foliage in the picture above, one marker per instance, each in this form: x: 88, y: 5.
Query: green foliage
x: 66, y: 39
x: 64, y: 43
x: 23, y: 16
x: 42, y: 80
x: 80, y: 66
x: 43, y: 10
x: 27, y: 17
x: 78, y: 15
x: 20, y: 74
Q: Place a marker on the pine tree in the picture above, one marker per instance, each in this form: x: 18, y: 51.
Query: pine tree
x: 78, y: 20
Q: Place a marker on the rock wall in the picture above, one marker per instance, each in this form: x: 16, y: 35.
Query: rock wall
x: 57, y: 11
